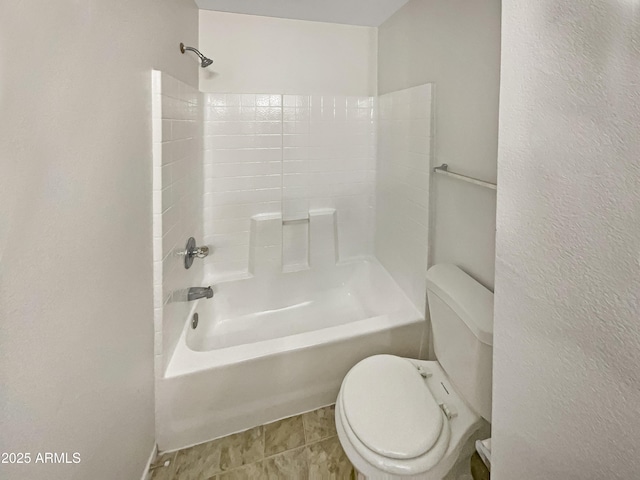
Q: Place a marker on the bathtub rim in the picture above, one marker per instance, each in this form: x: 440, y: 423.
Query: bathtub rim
x: 186, y: 361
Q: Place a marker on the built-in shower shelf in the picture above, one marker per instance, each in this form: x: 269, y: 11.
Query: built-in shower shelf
x: 294, y: 221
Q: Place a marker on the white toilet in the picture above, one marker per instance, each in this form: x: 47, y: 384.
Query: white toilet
x: 400, y: 418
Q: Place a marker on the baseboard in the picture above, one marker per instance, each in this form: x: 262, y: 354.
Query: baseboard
x: 146, y: 474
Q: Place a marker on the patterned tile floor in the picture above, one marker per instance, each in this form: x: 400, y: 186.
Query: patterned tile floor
x: 302, y: 447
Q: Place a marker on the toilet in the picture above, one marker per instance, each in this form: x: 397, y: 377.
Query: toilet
x: 402, y: 418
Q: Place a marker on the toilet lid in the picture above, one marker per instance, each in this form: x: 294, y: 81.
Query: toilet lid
x: 390, y: 408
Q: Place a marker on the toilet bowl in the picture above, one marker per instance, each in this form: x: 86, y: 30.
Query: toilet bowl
x: 400, y: 418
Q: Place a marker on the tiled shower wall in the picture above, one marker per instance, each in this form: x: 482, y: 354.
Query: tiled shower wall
x: 402, y: 190
x: 329, y: 162
x: 221, y: 159
x: 243, y: 174
x: 291, y: 154
x: 177, y: 205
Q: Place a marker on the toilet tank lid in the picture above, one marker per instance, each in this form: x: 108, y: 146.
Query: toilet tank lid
x: 470, y: 300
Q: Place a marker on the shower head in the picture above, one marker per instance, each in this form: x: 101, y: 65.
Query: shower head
x: 204, y: 61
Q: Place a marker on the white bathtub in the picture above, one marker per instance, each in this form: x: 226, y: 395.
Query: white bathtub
x: 270, y: 347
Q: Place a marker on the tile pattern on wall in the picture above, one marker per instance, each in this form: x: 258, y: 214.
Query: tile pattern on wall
x: 288, y: 154
x: 177, y: 204
x: 329, y: 162
x: 302, y: 447
x: 402, y: 188
x: 243, y: 174
x: 226, y: 158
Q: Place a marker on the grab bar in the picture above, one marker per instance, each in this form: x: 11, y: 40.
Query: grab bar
x: 444, y: 170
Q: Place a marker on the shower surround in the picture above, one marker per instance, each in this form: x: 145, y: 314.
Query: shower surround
x: 288, y: 155
x: 288, y: 201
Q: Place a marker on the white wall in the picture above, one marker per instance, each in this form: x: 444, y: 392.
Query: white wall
x: 567, y: 306
x: 454, y: 44
x: 402, y: 188
x: 76, y: 309
x: 274, y: 55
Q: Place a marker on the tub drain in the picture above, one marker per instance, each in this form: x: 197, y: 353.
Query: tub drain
x: 194, y: 320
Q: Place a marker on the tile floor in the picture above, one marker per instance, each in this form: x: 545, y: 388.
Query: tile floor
x: 302, y: 447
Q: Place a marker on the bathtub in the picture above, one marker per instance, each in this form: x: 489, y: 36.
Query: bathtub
x: 269, y: 347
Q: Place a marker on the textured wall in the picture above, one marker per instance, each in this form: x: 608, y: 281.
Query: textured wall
x: 454, y: 44
x: 567, y: 307
x: 76, y: 307
x: 402, y: 188
x: 276, y: 55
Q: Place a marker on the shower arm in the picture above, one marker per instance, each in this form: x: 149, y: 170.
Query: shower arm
x: 204, y: 61
x: 184, y: 49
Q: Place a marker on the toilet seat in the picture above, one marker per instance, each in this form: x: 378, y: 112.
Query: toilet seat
x: 391, y: 418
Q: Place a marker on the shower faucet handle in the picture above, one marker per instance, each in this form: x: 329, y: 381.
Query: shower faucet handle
x: 201, y: 252
x: 192, y: 251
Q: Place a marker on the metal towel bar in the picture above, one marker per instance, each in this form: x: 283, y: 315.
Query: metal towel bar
x: 444, y: 170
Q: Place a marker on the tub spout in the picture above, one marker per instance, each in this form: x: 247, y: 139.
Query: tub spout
x: 195, y: 293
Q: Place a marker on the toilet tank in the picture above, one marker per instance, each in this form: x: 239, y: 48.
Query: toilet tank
x: 461, y: 313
